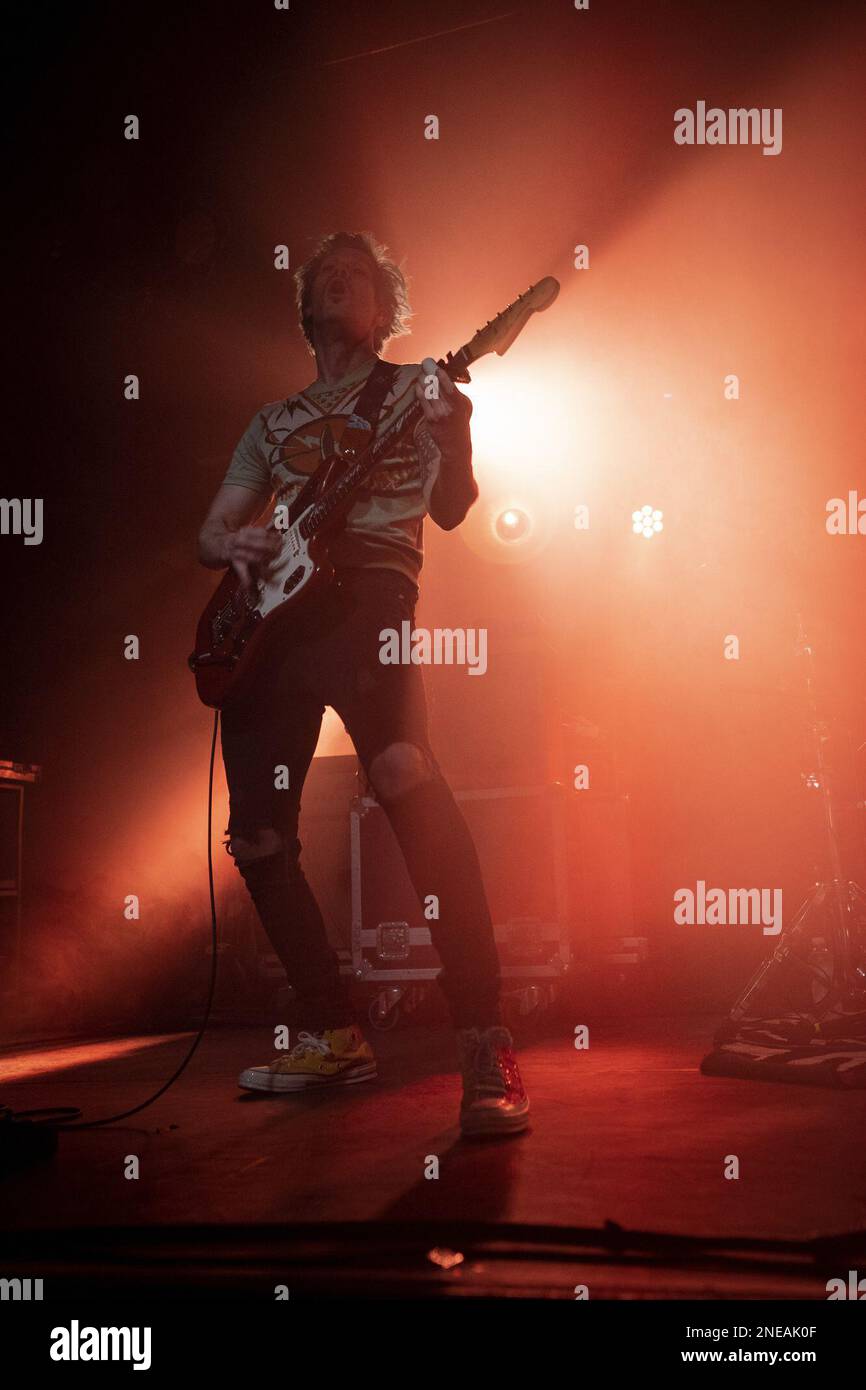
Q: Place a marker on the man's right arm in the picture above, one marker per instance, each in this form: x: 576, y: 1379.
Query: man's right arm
x: 227, y: 536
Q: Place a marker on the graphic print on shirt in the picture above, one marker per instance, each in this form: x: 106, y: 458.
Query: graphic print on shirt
x: 283, y: 445
x: 291, y: 452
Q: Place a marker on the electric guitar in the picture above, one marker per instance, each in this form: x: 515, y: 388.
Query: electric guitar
x: 238, y: 632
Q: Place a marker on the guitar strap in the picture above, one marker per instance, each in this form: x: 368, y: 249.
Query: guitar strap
x: 361, y: 426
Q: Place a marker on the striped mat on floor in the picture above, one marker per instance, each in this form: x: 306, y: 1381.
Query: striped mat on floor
x: 794, y: 1049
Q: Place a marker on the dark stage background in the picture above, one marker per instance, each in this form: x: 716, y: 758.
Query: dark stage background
x: 155, y: 257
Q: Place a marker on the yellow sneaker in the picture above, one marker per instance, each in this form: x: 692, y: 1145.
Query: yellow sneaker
x: 334, y: 1057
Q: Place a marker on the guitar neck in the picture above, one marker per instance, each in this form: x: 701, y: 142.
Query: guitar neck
x: 340, y: 493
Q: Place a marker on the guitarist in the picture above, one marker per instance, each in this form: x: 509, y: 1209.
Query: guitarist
x: 351, y: 300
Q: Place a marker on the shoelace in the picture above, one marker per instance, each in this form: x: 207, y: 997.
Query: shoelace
x: 309, y: 1042
x: 493, y: 1072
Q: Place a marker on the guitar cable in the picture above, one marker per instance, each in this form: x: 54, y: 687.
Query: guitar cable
x: 11, y: 1137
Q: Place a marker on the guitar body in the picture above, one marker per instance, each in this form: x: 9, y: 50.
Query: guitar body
x: 243, y: 633
x: 240, y: 635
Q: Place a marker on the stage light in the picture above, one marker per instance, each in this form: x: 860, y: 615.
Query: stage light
x: 533, y: 407
x: 648, y: 521
x: 511, y: 525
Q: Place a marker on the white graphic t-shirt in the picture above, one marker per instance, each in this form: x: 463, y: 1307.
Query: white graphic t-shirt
x: 282, y: 447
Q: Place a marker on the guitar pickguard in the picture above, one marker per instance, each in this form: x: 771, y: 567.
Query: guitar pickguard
x: 289, y: 571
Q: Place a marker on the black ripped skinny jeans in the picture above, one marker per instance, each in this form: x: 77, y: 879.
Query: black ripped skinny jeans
x: 335, y: 661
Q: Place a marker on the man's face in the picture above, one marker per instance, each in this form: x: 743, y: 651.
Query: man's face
x: 343, y: 297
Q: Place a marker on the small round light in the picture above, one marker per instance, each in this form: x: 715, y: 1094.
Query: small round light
x: 511, y: 525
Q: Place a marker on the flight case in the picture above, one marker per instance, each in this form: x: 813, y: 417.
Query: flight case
x: 520, y: 836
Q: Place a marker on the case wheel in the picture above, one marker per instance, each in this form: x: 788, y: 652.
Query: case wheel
x: 384, y: 1012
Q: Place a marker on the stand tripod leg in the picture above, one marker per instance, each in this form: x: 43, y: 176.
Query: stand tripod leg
x: 839, y: 901
x: 856, y: 894
x: 812, y: 903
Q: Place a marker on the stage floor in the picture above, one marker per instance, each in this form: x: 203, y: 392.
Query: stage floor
x: 628, y: 1131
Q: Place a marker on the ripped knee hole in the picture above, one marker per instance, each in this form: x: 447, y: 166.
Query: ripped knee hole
x: 399, y: 768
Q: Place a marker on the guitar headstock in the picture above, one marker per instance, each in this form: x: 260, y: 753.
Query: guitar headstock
x: 498, y: 334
